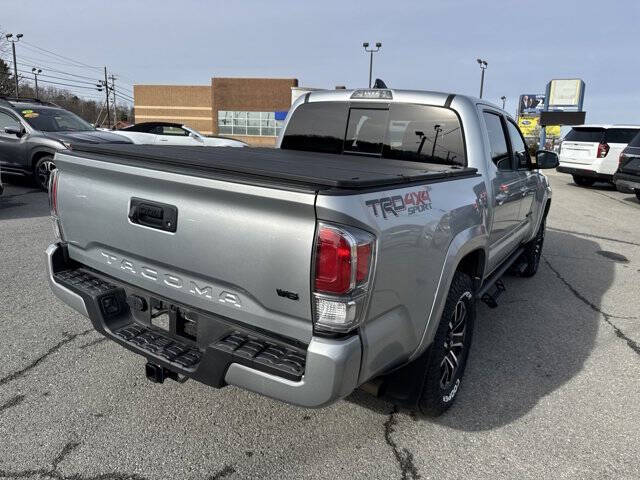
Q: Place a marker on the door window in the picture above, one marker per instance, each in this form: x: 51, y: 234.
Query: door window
x: 518, y: 147
x: 7, y: 120
x: 497, y: 141
x: 173, y: 131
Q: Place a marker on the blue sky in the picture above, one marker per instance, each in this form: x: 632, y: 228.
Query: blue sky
x: 429, y: 45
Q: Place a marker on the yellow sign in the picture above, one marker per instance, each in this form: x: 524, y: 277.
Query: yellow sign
x: 530, y: 128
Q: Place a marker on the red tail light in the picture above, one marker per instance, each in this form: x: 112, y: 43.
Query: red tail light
x: 603, y: 149
x: 343, y: 267
x: 333, y: 262
x: 621, y: 159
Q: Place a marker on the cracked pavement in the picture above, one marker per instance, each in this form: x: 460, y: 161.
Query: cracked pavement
x: 551, y: 390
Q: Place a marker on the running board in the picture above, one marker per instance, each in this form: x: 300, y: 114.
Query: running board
x: 494, y: 280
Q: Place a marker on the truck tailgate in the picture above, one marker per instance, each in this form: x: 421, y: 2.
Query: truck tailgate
x: 233, y: 247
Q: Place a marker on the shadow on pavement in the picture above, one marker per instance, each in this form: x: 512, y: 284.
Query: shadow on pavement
x: 533, y: 343
x: 21, y: 199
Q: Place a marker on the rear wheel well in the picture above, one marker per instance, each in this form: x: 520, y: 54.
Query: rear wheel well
x: 473, y: 265
x: 37, y: 156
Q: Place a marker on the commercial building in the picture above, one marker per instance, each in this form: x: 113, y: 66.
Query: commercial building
x: 249, y: 109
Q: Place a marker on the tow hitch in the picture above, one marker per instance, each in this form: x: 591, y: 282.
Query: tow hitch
x: 158, y: 374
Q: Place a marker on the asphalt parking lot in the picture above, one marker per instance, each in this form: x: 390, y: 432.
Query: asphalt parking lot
x: 552, y: 389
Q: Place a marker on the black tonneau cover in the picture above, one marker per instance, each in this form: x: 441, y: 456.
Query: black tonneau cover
x: 320, y: 170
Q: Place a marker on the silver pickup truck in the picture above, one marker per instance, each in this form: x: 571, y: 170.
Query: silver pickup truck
x: 350, y: 256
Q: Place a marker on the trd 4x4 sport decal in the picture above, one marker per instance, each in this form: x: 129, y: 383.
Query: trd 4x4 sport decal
x: 409, y: 204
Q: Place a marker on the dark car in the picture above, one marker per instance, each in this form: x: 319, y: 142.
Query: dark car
x: 627, y: 178
x: 32, y: 131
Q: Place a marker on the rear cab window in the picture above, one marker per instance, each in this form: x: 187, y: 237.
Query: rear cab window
x: 409, y: 132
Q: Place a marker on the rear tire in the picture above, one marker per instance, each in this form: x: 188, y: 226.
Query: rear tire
x: 532, y: 253
x: 638, y: 195
x: 42, y: 171
x: 450, y: 349
x: 583, y: 181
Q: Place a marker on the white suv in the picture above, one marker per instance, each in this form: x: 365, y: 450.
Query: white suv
x: 590, y: 152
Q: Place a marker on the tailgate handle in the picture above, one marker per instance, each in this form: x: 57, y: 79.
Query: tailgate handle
x: 147, y: 213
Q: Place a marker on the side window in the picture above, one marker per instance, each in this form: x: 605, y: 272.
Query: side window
x: 519, y: 148
x: 7, y: 120
x: 173, y: 131
x: 497, y: 141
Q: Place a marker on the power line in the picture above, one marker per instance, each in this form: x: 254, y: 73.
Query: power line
x: 48, y: 68
x: 82, y: 82
x: 61, y: 56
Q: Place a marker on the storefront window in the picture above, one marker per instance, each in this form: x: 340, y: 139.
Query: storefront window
x: 262, y: 124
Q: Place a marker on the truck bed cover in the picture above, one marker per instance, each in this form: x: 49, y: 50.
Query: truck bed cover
x: 309, y: 169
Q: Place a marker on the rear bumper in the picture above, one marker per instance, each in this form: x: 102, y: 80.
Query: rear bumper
x: 625, y: 181
x: 222, y: 352
x: 585, y: 172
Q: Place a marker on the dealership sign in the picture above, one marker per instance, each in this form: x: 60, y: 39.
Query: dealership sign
x: 530, y: 127
x: 565, y: 94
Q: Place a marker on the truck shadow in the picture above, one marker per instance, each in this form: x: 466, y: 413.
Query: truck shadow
x: 21, y: 199
x: 537, y: 339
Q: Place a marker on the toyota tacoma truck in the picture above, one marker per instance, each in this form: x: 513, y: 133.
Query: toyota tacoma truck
x: 353, y: 255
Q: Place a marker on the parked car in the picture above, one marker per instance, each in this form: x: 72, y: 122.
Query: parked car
x: 32, y: 131
x: 354, y: 254
x: 627, y: 178
x: 163, y: 133
x: 590, y: 152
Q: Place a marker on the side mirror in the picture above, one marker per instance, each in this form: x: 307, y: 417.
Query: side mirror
x: 18, y: 132
x: 195, y: 136
x: 546, y: 159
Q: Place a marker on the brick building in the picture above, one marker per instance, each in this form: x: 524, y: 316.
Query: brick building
x: 249, y: 109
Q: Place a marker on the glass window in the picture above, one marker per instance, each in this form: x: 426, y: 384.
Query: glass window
x: 585, y: 135
x: 423, y: 133
x: 55, y: 120
x: 7, y: 120
x: 497, y: 140
x: 317, y: 127
x: 246, y: 123
x: 636, y: 140
x: 419, y: 133
x: 173, y: 131
x: 520, y: 151
x: 365, y: 131
x: 620, y: 135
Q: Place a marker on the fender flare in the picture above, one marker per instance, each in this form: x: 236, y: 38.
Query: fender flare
x: 465, y: 242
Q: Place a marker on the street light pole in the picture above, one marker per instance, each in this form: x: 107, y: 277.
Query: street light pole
x: 504, y: 99
x: 371, y: 52
x: 483, y: 66
x: 36, y: 72
x: 13, y: 41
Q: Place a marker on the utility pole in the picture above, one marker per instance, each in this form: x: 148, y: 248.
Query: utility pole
x: 36, y: 72
x: 371, y: 52
x: 106, y: 92
x: 9, y: 37
x: 113, y: 89
x: 483, y: 66
x: 438, y: 129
